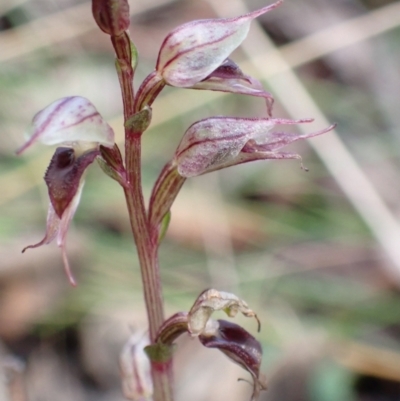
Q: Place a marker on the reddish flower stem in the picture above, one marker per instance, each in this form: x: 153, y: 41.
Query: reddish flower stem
x: 147, y: 252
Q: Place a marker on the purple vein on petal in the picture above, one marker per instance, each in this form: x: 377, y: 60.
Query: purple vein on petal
x: 43, y: 125
x: 201, y: 142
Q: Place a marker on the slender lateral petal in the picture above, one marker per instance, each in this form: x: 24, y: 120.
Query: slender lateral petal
x: 63, y: 229
x: 67, y: 121
x: 57, y: 228
x: 220, y: 142
x: 194, y: 50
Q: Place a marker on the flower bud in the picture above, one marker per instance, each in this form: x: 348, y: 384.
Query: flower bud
x: 135, y: 369
x: 112, y: 16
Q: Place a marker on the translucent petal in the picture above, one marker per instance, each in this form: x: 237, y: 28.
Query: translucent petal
x: 69, y: 120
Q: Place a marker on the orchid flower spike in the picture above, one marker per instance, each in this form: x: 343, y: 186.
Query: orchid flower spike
x: 218, y: 142
x: 74, y: 122
x: 196, y: 55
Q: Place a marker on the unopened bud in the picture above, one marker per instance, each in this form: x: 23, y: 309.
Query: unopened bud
x: 135, y: 369
x: 112, y: 16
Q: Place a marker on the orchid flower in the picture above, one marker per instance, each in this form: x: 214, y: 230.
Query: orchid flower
x: 73, y: 122
x: 218, y: 142
x: 196, y: 55
x: 230, y: 338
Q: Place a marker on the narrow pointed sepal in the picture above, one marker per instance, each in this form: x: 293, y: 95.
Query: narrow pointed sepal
x: 112, y: 16
x: 57, y: 228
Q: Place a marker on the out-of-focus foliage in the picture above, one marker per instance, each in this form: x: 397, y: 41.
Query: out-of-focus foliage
x: 288, y: 242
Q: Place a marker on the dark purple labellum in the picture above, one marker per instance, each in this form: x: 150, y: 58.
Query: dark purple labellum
x: 64, y: 174
x: 239, y: 345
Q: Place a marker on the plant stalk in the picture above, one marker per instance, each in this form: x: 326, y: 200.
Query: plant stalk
x: 147, y: 252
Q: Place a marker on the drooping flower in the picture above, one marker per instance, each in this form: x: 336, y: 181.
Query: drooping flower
x: 196, y: 55
x: 240, y: 347
x: 74, y: 122
x: 231, y: 339
x: 219, y: 142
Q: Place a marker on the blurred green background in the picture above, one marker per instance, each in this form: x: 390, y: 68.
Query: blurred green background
x: 316, y: 255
